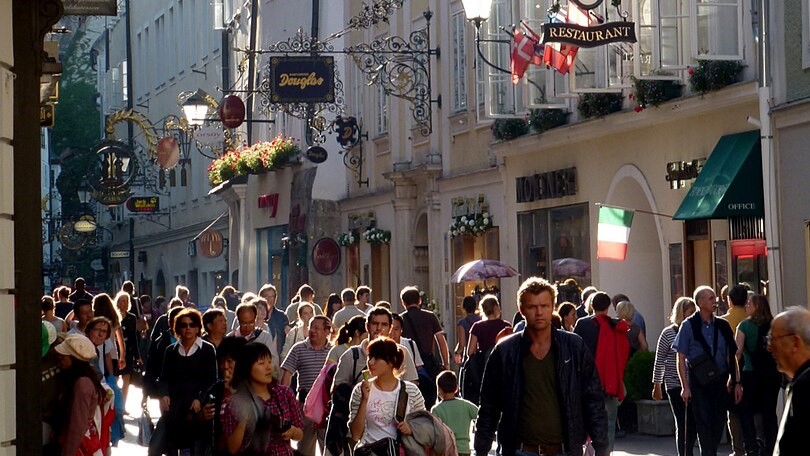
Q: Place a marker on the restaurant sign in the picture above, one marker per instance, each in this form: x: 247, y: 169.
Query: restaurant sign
x: 326, y: 256
x: 598, y: 35
x: 308, y: 79
x: 585, y: 28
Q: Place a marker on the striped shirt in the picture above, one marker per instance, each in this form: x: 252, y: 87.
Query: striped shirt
x: 665, y: 369
x: 307, y: 361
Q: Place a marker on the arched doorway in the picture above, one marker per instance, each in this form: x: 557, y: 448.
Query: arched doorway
x: 160, y: 283
x: 640, y: 276
x: 421, y: 254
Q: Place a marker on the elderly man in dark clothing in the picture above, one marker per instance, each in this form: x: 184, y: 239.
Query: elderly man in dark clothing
x: 540, y: 390
x: 789, y: 341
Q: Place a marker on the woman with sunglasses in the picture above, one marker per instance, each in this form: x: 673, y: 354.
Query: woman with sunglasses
x: 189, y: 370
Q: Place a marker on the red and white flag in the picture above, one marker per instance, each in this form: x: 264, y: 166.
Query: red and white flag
x: 523, y: 52
x: 561, y: 56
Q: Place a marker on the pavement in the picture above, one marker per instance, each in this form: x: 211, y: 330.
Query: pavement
x: 630, y: 445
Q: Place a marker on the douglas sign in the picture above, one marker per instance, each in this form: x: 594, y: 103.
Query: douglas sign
x: 302, y: 79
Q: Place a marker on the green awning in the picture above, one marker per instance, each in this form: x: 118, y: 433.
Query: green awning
x: 730, y: 183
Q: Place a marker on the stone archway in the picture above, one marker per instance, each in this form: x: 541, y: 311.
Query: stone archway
x: 641, y: 276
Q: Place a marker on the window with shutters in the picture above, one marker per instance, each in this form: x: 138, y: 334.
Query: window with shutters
x: 459, y: 61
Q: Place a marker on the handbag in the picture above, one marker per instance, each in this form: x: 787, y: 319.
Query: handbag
x: 387, y: 446
x: 145, y: 428
x: 382, y: 447
x: 704, y: 370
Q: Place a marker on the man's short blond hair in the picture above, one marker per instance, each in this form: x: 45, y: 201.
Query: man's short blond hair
x: 535, y: 286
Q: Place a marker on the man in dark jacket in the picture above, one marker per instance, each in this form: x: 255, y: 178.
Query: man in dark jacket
x: 540, y: 390
x: 789, y: 341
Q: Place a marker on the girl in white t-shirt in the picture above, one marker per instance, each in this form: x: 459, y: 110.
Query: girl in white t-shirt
x: 374, y: 400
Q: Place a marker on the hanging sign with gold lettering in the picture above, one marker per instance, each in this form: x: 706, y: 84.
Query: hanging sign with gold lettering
x: 587, y: 37
x: 302, y: 79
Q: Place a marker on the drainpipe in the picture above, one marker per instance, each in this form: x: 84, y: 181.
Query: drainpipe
x: 254, y: 13
x: 769, y: 162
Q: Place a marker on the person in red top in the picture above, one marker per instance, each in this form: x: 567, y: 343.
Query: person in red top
x: 606, y: 338
x: 262, y: 416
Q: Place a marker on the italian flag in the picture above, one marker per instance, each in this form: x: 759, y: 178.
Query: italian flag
x: 613, y: 233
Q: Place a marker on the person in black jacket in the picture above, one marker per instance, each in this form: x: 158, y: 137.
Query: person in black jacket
x: 189, y: 371
x: 540, y: 390
x: 789, y: 341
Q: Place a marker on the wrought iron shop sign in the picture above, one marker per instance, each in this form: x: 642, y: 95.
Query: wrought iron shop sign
x: 302, y: 79
x: 588, y: 37
x: 550, y: 184
x: 90, y: 7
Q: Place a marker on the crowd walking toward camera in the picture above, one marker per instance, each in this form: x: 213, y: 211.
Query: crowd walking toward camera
x: 246, y: 376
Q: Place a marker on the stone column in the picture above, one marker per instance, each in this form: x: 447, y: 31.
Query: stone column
x: 402, y: 260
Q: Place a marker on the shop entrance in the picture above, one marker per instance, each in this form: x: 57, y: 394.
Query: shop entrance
x: 698, y: 254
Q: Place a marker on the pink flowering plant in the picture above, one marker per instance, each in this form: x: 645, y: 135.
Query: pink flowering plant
x: 258, y: 158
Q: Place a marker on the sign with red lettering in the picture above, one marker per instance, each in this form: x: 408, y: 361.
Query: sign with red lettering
x: 326, y: 256
x: 269, y: 202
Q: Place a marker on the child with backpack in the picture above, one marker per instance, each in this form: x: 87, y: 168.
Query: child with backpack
x: 455, y: 412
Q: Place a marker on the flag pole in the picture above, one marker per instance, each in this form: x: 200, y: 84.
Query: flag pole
x: 632, y: 209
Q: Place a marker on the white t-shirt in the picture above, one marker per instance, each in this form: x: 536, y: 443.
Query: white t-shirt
x: 381, y: 410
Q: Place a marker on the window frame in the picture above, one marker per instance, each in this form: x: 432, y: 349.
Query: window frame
x: 696, y: 53
x: 658, y: 68
x: 458, y: 61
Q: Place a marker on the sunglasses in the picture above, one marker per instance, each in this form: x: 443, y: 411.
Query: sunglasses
x: 184, y: 325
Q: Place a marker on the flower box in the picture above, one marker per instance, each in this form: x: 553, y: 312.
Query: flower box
x: 258, y: 158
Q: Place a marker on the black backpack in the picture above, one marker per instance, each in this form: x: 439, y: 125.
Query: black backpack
x: 761, y: 359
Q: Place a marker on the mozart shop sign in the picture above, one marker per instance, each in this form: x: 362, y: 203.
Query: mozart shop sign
x: 550, y: 184
x: 302, y: 79
x: 681, y: 171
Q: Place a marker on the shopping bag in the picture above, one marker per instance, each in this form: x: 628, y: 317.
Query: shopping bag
x: 145, y: 428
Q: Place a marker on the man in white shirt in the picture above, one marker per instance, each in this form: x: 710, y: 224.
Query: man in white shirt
x: 348, y: 311
x: 246, y: 318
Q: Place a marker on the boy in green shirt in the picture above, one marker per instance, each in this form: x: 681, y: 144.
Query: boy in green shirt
x: 455, y: 412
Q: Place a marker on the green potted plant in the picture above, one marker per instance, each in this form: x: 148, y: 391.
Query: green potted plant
x: 546, y: 119
x: 653, y: 92
x: 710, y: 75
x: 599, y: 104
x: 653, y: 417
x: 506, y: 129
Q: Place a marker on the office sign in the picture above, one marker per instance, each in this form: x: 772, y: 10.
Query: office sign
x: 302, y: 79
x: 587, y: 37
x: 90, y: 7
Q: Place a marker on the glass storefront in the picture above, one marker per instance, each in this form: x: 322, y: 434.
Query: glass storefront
x: 271, y: 265
x: 555, y: 244
x: 466, y: 248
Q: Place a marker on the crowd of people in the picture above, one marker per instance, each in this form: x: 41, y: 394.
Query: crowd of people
x: 242, y: 375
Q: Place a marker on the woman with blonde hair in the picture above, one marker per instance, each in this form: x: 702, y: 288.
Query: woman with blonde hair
x: 665, y: 371
x: 635, y: 335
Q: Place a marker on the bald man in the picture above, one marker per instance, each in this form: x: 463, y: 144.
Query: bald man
x: 789, y: 341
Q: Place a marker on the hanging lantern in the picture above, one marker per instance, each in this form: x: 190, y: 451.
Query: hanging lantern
x: 231, y: 111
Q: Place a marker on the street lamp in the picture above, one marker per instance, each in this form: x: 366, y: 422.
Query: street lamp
x: 195, y: 106
x: 477, y: 11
